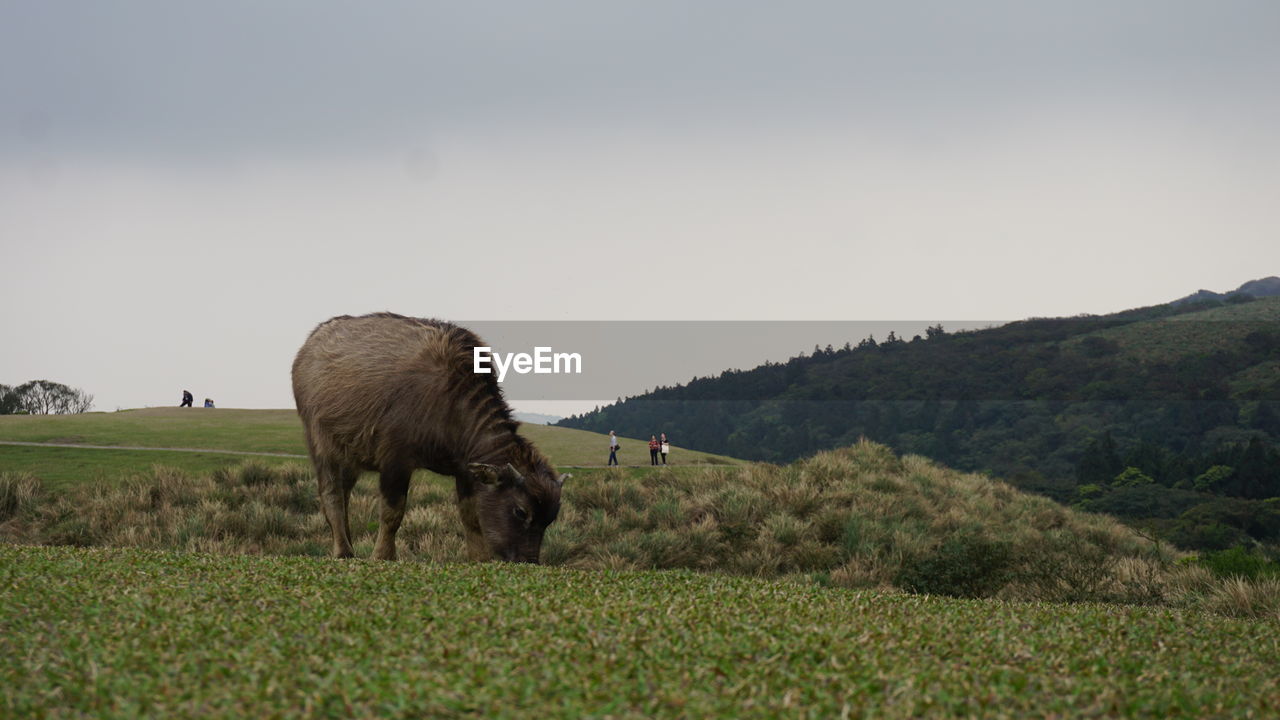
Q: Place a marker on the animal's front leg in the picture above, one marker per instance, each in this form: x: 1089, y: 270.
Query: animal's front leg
x: 477, y: 548
x: 394, y: 485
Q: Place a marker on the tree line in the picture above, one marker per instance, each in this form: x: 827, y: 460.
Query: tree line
x: 43, y: 397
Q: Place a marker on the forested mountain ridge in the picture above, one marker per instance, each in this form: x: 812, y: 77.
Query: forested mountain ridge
x: 1187, y: 395
x: 1262, y: 287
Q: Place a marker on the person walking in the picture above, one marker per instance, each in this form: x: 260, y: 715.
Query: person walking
x: 187, y: 398
x: 613, y: 449
x: 665, y: 448
x: 654, y: 445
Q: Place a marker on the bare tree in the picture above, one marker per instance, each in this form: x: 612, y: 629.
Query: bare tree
x: 37, y: 396
x: 78, y: 402
x: 9, y: 402
x: 43, y: 397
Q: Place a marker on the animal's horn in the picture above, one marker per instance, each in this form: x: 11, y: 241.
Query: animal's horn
x: 560, y: 480
x: 516, y: 477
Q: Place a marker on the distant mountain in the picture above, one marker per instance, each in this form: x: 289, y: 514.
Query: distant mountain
x: 1264, y: 287
x: 537, y: 418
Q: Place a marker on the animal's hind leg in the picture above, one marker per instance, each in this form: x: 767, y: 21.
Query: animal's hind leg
x: 348, y: 477
x: 334, y: 487
x: 394, y: 484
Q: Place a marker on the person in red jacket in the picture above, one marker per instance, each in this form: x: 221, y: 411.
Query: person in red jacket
x: 653, y: 449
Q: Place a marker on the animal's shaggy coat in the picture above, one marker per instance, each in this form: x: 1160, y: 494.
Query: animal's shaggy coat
x: 389, y: 393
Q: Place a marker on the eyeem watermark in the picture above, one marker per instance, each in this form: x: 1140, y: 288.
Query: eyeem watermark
x: 542, y: 362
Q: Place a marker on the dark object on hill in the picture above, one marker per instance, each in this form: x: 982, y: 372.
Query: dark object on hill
x: 390, y: 394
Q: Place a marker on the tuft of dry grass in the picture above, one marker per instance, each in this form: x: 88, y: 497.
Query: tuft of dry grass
x: 1242, y: 597
x: 18, y: 493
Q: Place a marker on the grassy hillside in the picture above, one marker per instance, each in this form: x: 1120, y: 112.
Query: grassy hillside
x: 266, y: 431
x: 858, y: 517
x: 127, y: 633
x: 1194, y: 333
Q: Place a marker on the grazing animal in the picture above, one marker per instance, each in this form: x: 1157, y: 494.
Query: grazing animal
x: 391, y: 394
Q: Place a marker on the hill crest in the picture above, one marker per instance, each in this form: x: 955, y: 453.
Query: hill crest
x: 1262, y: 287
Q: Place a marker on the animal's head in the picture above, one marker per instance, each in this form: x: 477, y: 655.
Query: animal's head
x: 515, y: 506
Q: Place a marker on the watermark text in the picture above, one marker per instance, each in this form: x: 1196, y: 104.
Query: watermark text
x: 543, y: 361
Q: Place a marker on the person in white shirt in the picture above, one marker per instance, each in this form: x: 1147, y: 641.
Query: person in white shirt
x: 613, y: 448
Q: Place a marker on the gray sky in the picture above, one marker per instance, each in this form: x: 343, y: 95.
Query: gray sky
x: 186, y: 189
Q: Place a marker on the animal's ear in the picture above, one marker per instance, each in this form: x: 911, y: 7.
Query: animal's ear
x: 560, y: 480
x: 494, y: 475
x: 512, y: 475
x: 487, y: 474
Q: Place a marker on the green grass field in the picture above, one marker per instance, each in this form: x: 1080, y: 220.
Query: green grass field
x: 128, y: 633
x: 266, y: 431
x: 62, y: 467
x: 216, y: 429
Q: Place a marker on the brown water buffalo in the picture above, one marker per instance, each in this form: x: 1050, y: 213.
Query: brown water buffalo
x: 390, y: 394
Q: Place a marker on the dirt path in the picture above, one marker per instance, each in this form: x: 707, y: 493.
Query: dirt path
x: 687, y: 465
x: 212, y: 451
x: 674, y: 465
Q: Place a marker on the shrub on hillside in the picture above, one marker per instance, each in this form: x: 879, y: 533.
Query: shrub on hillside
x: 965, y: 564
x: 1067, y: 566
x: 255, y: 473
x: 1239, y: 562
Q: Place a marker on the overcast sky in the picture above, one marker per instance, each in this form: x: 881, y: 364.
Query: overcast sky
x: 187, y: 188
